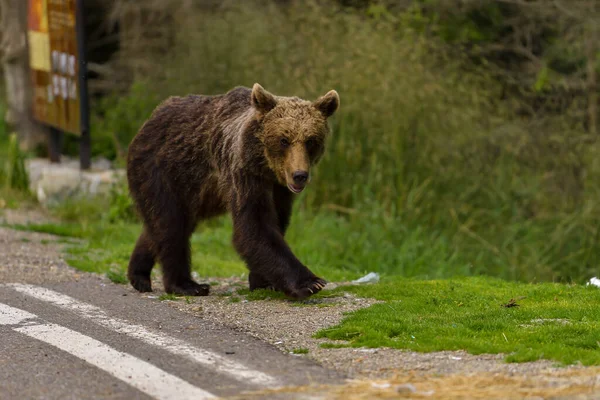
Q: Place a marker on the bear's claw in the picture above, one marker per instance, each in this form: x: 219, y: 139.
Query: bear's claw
x: 306, y: 289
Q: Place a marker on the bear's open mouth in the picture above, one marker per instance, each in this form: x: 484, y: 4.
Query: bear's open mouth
x: 294, y: 188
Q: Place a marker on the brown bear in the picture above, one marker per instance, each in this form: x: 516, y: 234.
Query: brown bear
x: 246, y: 152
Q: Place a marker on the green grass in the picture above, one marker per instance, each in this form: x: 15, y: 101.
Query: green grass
x: 300, y: 350
x: 550, y: 321
x: 334, y: 345
x: 117, y: 277
x: 169, y: 297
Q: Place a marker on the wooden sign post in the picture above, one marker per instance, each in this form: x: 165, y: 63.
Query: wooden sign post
x: 56, y: 34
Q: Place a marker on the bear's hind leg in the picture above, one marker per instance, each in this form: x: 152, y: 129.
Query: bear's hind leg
x: 174, y: 255
x: 141, y: 264
x: 175, y: 259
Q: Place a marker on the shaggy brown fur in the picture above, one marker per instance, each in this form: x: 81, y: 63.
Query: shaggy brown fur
x: 245, y: 152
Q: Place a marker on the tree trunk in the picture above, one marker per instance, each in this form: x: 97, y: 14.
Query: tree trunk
x: 15, y: 62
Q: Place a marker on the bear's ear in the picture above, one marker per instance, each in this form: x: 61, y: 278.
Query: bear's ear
x: 262, y: 100
x: 328, y: 104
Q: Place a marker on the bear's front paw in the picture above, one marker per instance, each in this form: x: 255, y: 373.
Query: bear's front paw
x: 141, y: 283
x: 306, y: 288
x: 188, y: 288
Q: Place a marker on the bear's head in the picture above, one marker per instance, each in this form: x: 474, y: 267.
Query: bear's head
x: 293, y: 132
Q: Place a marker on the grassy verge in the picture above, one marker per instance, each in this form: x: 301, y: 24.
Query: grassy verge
x: 527, y: 322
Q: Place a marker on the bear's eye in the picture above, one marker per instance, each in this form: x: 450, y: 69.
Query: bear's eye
x: 284, y: 142
x: 310, y: 143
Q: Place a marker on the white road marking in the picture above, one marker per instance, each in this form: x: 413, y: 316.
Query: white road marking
x: 13, y: 316
x: 135, y: 372
x: 171, y: 344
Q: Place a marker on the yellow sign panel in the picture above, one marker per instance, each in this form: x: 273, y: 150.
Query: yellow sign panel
x: 54, y: 59
x: 40, y: 58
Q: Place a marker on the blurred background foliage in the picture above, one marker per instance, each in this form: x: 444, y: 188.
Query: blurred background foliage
x: 467, y: 132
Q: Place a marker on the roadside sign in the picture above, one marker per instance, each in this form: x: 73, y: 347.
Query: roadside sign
x: 58, y: 69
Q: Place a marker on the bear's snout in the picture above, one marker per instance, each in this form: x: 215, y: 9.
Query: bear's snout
x: 300, y: 177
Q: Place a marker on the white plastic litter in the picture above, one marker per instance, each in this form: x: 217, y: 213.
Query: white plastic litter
x: 594, y: 281
x: 371, y: 277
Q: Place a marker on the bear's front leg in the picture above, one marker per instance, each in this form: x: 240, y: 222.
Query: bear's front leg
x: 258, y: 239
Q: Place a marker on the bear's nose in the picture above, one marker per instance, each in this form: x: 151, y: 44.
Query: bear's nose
x: 300, y: 177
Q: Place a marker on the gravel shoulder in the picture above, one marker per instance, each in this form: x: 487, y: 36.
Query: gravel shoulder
x: 377, y: 373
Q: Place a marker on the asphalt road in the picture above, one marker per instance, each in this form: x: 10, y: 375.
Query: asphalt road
x: 95, y: 340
